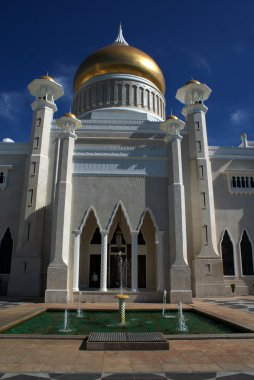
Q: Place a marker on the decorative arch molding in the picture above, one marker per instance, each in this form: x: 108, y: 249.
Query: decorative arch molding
x: 118, y: 206
x: 90, y: 210
x: 149, y: 211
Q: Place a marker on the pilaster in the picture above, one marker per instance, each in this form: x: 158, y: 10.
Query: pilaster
x: 104, y: 259
x: 134, y: 260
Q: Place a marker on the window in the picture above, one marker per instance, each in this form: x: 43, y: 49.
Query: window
x: 36, y: 142
x: 203, y: 200
x: 201, y: 171
x: 28, y: 231
x: 38, y: 122
x: 141, y: 240
x: 6, y: 246
x: 205, y: 234
x: 4, y: 171
x: 2, y: 177
x: 197, y: 125
x: 33, y: 168
x: 227, y: 255
x: 96, y: 239
x: 246, y: 255
x: 30, y: 197
x: 241, y: 183
x: 199, y: 146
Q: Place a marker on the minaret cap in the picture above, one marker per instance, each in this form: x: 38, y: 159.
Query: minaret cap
x: 172, y: 125
x: 193, y: 92
x: 45, y: 84
x: 68, y: 122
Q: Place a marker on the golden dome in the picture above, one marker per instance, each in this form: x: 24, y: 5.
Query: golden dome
x: 192, y: 81
x: 119, y: 58
x: 172, y: 117
x: 47, y: 77
x: 69, y: 114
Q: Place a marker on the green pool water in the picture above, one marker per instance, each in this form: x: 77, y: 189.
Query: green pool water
x: 51, y: 322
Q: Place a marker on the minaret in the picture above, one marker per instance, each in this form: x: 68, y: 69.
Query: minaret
x: 58, y: 270
x: 207, y: 264
x: 179, y: 273
x: 27, y: 260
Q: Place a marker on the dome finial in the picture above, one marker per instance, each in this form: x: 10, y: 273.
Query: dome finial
x: 120, y: 39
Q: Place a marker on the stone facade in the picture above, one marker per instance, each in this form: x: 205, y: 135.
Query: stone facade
x: 124, y: 184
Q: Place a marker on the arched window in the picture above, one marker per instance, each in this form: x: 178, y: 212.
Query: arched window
x: 96, y: 239
x: 227, y: 255
x: 246, y: 255
x: 6, y: 252
x: 2, y: 178
x: 141, y: 240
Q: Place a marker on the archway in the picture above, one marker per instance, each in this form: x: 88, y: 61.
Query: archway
x: 119, y: 250
x: 147, y: 253
x: 246, y: 255
x: 90, y: 253
x: 227, y: 255
x: 6, y: 247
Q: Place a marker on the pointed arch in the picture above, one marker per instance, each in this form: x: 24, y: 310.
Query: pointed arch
x: 118, y: 206
x: 149, y: 211
x: 90, y: 210
x: 246, y: 255
x: 227, y: 252
x: 6, y: 249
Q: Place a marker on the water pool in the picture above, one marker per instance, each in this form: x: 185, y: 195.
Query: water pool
x: 51, y: 322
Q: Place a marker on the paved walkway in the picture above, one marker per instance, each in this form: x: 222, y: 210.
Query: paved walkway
x: 197, y: 359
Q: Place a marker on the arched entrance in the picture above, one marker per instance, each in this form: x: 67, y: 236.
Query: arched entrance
x: 6, y: 247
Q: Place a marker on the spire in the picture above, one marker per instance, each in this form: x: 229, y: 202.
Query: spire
x: 120, y: 39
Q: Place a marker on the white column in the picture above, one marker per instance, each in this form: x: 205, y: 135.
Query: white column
x: 160, y: 263
x: 76, y: 261
x: 134, y: 260
x: 104, y: 258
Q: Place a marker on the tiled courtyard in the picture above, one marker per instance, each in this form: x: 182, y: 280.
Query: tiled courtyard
x: 200, y: 358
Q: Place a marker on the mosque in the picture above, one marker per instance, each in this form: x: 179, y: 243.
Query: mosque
x: 115, y: 194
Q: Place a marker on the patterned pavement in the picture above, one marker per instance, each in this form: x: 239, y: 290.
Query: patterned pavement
x: 131, y: 376
x: 243, y: 304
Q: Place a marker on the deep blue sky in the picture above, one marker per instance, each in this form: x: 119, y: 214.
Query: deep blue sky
x: 209, y: 40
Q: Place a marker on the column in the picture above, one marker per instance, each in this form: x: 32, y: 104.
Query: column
x: 76, y: 260
x: 134, y: 260
x: 104, y: 259
x: 160, y: 261
x: 180, y: 276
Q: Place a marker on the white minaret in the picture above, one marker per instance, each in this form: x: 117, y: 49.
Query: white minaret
x: 207, y: 264
x: 27, y: 260
x: 58, y: 270
x: 179, y: 273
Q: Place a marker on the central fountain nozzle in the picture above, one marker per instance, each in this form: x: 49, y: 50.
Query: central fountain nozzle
x: 122, y: 298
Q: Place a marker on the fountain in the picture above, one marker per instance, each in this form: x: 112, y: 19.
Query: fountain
x: 121, y: 297
x: 181, y: 320
x: 164, y: 302
x: 66, y: 319
x: 80, y: 313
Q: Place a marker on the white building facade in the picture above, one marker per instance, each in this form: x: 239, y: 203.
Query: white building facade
x: 117, y: 181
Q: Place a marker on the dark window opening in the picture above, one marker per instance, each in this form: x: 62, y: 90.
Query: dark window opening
x: 141, y: 240
x: 2, y: 177
x: 227, y: 255
x: 96, y: 239
x: 6, y: 252
x: 246, y: 255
